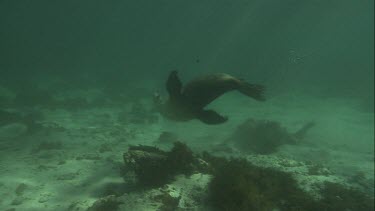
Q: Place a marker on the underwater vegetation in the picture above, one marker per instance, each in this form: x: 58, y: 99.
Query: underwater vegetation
x: 168, y: 202
x: 108, y: 203
x: 264, y: 136
x: 337, y: 197
x: 239, y: 185
x: 155, y: 167
x: 147, y: 164
x: 180, y: 160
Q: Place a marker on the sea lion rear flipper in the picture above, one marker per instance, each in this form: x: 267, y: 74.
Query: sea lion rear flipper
x: 174, y: 85
x: 211, y: 117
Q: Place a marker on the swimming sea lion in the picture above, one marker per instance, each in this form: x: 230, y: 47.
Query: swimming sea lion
x: 188, y: 102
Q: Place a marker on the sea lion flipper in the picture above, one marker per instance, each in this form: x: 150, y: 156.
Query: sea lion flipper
x: 174, y: 85
x: 211, y: 117
x: 254, y: 91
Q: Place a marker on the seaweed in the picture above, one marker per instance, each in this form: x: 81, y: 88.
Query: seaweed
x: 261, y: 136
x: 180, y: 159
x: 169, y: 203
x: 146, y: 148
x: 239, y: 185
x: 154, y: 167
x: 108, y: 203
x: 338, y: 197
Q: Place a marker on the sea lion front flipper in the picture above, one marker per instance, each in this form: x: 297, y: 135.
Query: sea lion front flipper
x: 211, y: 117
x: 174, y: 85
x: 255, y: 91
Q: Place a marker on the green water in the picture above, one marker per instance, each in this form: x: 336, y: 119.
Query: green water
x: 69, y: 67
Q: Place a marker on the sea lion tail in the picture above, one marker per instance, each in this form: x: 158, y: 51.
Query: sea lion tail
x: 255, y: 91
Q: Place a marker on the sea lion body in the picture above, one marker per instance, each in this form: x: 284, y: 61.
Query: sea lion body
x: 188, y: 102
x: 202, y: 91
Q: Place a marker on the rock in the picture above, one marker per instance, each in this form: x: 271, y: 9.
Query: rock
x: 169, y: 203
x: 155, y: 167
x: 261, y: 136
x: 17, y: 201
x: 44, y: 197
x: 108, y: 203
x: 317, y: 169
x: 20, y: 189
x: 78, y: 206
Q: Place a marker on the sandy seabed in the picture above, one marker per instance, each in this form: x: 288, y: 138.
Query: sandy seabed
x: 76, y: 158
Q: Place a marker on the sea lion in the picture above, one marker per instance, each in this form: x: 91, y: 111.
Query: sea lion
x: 188, y: 102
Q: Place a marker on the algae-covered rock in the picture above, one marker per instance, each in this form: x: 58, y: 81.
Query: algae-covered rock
x: 155, y: 167
x: 338, y: 197
x: 239, y: 185
x: 108, y: 203
x: 264, y: 136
